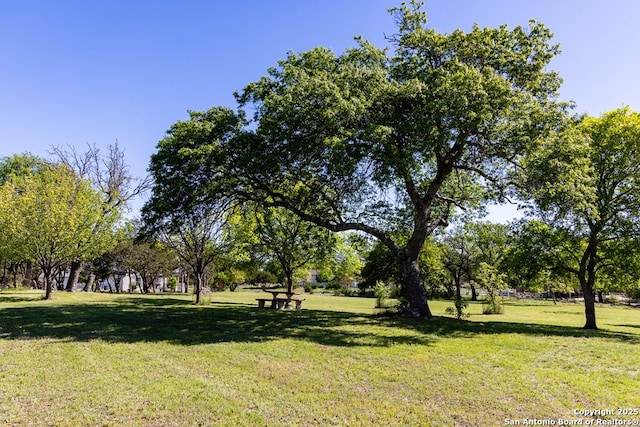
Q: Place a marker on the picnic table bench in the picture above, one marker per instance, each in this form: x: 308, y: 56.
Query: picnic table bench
x: 279, y: 303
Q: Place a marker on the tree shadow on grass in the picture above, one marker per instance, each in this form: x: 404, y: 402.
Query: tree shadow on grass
x: 176, y: 321
x: 629, y: 326
x: 449, y: 327
x: 19, y: 297
x: 143, y: 319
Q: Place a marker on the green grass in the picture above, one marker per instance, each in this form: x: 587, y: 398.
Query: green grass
x: 157, y: 360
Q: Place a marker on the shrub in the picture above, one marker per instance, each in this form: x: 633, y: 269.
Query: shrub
x: 489, y: 278
x: 458, y: 311
x: 492, y: 306
x: 382, y: 292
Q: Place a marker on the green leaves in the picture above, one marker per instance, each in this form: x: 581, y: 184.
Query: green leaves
x: 586, y: 176
x: 189, y: 167
x: 559, y: 175
x: 54, y: 217
x: 584, y: 183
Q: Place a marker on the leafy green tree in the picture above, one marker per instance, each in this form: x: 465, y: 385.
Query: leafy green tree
x: 536, y: 258
x: 198, y: 242
x: 149, y: 261
x: 457, y: 259
x: 384, y: 144
x: 490, y: 241
x: 379, y: 266
x: 293, y: 242
x: 109, y: 175
x: 345, y: 261
x: 584, y: 182
x: 20, y: 165
x: 53, y: 217
x: 469, y: 251
x: 185, y: 165
x: 189, y: 220
x: 488, y: 277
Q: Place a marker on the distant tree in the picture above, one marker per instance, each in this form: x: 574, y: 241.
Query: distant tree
x: 536, y: 257
x: 457, y: 259
x: 346, y: 259
x: 489, y: 277
x: 189, y: 223
x: 149, y: 261
x: 52, y: 217
x: 284, y: 237
x: 198, y: 241
x: 20, y: 165
x: 584, y: 182
x: 381, y: 266
x: 110, y: 176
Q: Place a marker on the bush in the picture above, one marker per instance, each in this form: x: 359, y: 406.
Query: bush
x: 634, y: 293
x: 335, y: 285
x: 382, y: 292
x: 492, y: 306
x: 458, y: 311
x: 350, y: 292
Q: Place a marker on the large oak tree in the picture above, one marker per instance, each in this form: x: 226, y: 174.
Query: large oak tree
x: 387, y: 143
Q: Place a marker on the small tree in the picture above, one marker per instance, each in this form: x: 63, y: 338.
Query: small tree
x: 488, y: 277
x: 110, y: 177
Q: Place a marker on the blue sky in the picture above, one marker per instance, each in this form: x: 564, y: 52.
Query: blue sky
x: 74, y: 72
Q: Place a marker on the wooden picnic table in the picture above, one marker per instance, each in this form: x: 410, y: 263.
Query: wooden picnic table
x: 280, y: 302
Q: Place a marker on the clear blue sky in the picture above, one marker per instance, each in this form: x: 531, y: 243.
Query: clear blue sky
x: 74, y: 72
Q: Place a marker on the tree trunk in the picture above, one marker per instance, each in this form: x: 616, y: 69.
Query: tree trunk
x: 451, y: 290
x: 186, y: 283
x: 198, y: 287
x: 15, y: 276
x: 28, y: 275
x: 587, y: 279
x: 589, y: 309
x: 414, y: 287
x: 145, y: 283
x: 289, y: 279
x: 74, y: 275
x: 48, y: 284
x: 474, y: 293
x: 89, y: 285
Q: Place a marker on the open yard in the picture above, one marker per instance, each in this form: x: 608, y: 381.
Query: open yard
x: 157, y: 360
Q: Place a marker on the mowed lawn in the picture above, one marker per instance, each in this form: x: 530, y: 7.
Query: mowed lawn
x: 157, y: 360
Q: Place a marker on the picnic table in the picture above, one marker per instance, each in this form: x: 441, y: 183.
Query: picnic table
x: 279, y: 303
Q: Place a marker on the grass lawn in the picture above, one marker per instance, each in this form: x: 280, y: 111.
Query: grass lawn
x: 157, y: 360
